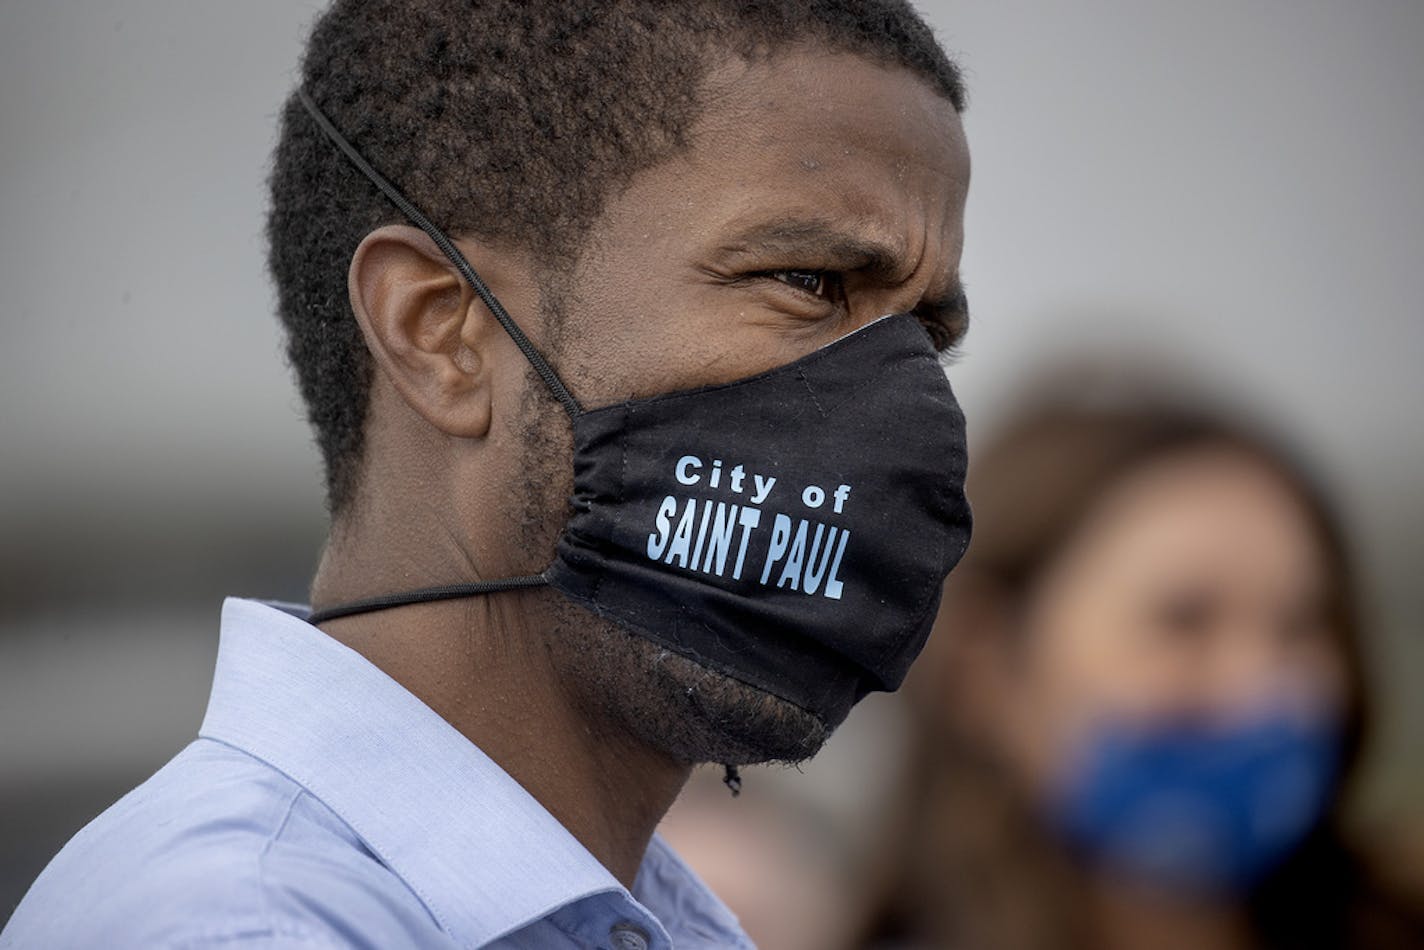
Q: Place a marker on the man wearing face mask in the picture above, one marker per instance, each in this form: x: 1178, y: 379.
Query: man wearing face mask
x: 617, y: 325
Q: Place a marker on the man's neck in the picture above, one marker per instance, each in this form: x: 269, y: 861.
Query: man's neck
x: 478, y: 666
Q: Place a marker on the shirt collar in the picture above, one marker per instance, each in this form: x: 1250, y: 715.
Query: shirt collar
x: 484, y: 857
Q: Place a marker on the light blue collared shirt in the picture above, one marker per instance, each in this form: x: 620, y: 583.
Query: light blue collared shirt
x: 323, y: 805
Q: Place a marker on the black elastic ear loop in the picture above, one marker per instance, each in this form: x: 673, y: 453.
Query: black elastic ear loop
x: 531, y: 353
x: 536, y: 359
x: 428, y: 595
x: 732, y: 778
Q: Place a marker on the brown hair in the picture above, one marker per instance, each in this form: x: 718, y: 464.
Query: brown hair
x: 978, y: 869
x: 1046, y: 474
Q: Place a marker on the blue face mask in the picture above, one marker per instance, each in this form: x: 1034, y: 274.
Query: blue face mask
x: 1202, y: 808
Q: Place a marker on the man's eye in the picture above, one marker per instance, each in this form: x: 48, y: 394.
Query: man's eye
x: 818, y: 283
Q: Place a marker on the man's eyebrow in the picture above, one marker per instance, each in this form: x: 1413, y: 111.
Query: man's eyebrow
x: 831, y: 247
x: 822, y: 245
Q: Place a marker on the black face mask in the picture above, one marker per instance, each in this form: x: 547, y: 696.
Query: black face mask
x: 791, y: 530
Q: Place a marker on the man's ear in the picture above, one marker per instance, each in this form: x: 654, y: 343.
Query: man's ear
x: 425, y: 327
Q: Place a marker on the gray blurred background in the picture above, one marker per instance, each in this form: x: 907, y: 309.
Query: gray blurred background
x: 1231, y: 190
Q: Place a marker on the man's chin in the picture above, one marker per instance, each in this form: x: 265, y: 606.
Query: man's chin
x: 687, y: 711
x: 712, y: 717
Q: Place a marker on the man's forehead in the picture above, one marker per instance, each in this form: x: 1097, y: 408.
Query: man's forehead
x: 832, y: 152
x: 854, y: 99
x: 832, y: 121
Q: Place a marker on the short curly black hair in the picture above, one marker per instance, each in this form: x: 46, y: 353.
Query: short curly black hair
x: 509, y: 120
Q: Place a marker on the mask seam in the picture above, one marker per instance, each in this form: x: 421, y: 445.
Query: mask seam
x: 806, y: 384
x: 921, y: 612
x: 618, y: 506
x: 928, y: 598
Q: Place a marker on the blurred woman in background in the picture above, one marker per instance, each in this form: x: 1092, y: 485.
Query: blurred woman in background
x: 1144, y: 705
